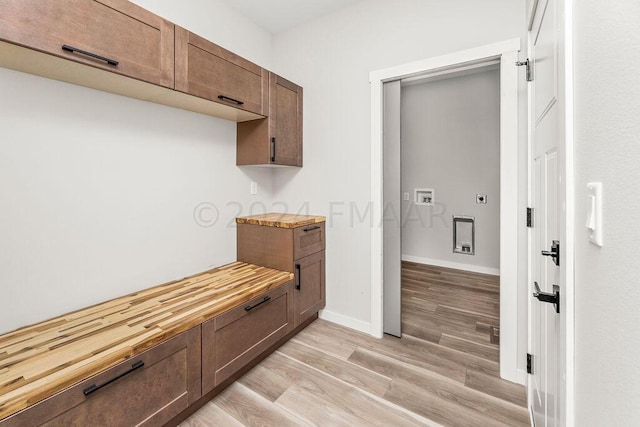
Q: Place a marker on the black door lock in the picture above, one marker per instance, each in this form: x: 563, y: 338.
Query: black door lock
x: 554, y: 253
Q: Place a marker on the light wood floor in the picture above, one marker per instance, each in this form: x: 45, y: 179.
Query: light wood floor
x: 452, y: 308
x: 443, y: 371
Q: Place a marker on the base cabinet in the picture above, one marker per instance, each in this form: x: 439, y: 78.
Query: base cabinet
x: 300, y: 250
x: 148, y: 389
x: 232, y: 339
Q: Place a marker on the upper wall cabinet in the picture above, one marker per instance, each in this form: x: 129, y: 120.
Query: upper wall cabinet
x: 119, y: 47
x: 208, y: 71
x: 114, y: 35
x: 276, y: 140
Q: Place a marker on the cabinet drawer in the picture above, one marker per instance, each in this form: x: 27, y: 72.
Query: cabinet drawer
x: 308, y: 240
x: 208, y: 71
x: 233, y: 339
x: 309, y: 293
x: 148, y: 389
x: 139, y: 43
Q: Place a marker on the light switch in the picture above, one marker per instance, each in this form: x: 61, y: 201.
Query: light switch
x: 594, y: 212
x: 254, y: 188
x: 406, y: 197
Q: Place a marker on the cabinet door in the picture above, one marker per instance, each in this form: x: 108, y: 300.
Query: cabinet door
x: 115, y: 35
x: 231, y: 340
x: 276, y: 140
x: 286, y: 122
x: 309, y: 287
x: 208, y: 71
x: 148, y: 389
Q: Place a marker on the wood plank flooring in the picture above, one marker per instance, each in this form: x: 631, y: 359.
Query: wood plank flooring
x: 452, y: 308
x: 443, y: 371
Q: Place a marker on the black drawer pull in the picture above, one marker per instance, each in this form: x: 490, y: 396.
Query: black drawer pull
x: 273, y: 149
x: 251, y: 307
x: 87, y: 391
x: 226, y: 98
x: 316, y: 227
x: 298, y: 279
x: 93, y: 55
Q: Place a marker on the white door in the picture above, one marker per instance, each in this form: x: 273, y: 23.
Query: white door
x: 392, y: 293
x: 547, y: 163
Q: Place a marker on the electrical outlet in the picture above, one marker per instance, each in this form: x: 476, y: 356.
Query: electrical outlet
x: 481, y: 198
x: 406, y: 197
x: 494, y: 335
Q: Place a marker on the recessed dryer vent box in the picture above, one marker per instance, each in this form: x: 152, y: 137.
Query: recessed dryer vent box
x: 464, y: 235
x: 424, y: 196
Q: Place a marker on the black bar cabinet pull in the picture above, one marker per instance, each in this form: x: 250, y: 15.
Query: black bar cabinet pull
x: 93, y: 55
x: 298, y: 279
x: 273, y: 149
x: 92, y: 388
x: 251, y: 307
x: 226, y: 98
x: 316, y: 227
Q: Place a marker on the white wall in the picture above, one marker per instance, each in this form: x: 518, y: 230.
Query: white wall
x: 607, y: 149
x: 98, y: 191
x: 451, y: 143
x: 332, y: 58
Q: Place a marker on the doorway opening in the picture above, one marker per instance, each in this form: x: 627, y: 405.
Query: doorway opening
x: 449, y: 208
x: 511, y: 321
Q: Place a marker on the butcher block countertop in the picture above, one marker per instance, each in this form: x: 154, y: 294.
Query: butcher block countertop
x: 40, y: 360
x: 281, y: 220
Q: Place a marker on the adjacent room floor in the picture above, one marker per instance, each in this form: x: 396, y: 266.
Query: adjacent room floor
x: 443, y: 371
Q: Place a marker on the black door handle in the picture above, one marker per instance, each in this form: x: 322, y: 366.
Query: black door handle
x: 298, y: 279
x: 553, y: 298
x: 554, y: 253
x: 93, y: 388
x: 90, y: 54
x: 316, y: 227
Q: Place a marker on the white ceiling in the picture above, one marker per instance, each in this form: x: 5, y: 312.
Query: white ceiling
x: 277, y: 16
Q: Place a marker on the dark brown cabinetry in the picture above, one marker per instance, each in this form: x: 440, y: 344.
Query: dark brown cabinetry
x: 208, y: 71
x: 233, y: 339
x: 119, y: 47
x: 114, y: 35
x: 149, y: 389
x: 309, y: 286
x: 300, y: 250
x: 276, y: 140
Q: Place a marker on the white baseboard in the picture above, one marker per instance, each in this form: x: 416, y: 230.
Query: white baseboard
x: 347, y: 321
x: 449, y: 264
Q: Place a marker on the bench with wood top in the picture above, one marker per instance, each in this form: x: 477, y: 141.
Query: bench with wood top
x: 151, y: 357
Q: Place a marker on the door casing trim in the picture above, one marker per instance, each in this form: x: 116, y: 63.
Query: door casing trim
x: 507, y: 52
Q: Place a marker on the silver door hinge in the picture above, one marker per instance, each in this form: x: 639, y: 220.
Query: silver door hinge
x: 526, y: 63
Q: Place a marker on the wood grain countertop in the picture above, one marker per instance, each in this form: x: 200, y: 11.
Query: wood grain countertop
x: 281, y: 220
x: 40, y: 360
